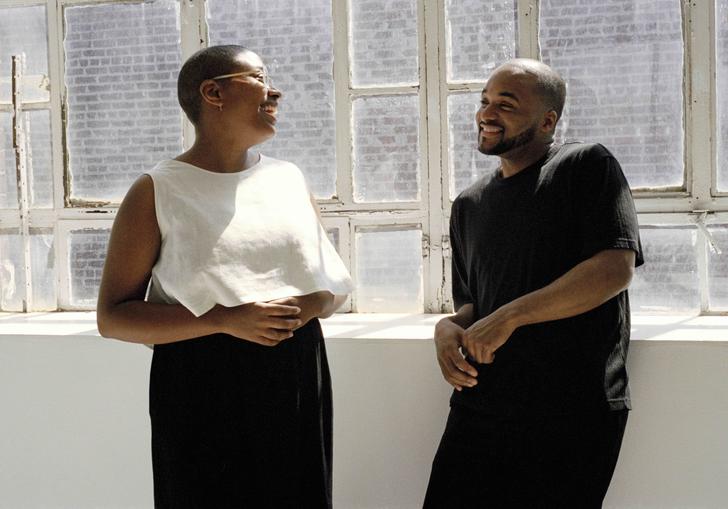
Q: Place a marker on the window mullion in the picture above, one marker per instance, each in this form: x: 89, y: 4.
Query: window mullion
x: 528, y: 30
x: 435, y: 96
x: 700, y: 121
x: 193, y: 37
x: 21, y: 166
x: 54, y: 13
x: 342, y: 101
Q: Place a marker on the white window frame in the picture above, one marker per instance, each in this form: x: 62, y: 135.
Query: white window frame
x: 699, y: 201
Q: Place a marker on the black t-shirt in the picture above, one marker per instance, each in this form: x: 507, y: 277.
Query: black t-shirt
x: 511, y: 236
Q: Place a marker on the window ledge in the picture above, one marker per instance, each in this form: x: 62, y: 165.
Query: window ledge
x: 377, y: 327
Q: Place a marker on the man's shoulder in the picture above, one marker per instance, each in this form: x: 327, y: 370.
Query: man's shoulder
x: 578, y: 151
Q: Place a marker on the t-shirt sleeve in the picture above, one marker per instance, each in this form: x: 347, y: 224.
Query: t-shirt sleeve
x: 460, y: 291
x: 605, y: 208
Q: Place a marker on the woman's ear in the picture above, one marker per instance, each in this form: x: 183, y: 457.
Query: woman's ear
x: 211, y: 93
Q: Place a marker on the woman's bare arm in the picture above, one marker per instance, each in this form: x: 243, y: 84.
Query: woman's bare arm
x: 122, y: 312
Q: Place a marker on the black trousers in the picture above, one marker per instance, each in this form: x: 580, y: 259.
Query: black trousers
x: 236, y: 424
x: 557, y: 462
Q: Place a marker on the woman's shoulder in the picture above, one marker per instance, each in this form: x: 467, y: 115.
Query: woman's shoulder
x: 166, y: 166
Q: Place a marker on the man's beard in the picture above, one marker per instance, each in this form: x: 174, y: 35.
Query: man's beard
x: 507, y: 144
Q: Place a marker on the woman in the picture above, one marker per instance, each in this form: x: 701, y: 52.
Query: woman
x: 218, y: 258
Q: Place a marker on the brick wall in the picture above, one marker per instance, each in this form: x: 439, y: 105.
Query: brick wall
x: 87, y: 250
x: 389, y: 272
x: 623, y: 61
x: 8, y: 181
x: 295, y: 40
x: 22, y: 30
x: 669, y: 279
x: 482, y: 35
x: 121, y: 73
x: 718, y: 269
x: 384, y: 42
x: 12, y: 276
x: 386, y: 149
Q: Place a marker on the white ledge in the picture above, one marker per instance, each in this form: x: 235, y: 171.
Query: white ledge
x: 377, y: 327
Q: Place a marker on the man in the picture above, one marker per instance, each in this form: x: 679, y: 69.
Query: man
x: 542, y: 254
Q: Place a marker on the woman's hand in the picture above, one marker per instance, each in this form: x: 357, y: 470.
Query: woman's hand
x: 312, y: 305
x: 265, y: 323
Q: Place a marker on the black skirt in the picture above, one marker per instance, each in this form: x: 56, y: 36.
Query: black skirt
x: 237, y: 424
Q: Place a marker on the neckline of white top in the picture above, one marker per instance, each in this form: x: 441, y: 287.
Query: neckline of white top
x: 245, y: 172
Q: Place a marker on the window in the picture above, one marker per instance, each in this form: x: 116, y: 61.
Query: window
x: 378, y: 111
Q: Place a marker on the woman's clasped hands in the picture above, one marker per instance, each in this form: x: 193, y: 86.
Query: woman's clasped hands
x: 269, y: 323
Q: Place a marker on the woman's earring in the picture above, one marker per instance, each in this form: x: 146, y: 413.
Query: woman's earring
x: 219, y: 107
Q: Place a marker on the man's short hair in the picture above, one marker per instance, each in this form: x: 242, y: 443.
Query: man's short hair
x: 203, y: 65
x: 549, y: 85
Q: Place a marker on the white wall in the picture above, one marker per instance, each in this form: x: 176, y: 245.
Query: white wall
x: 74, y: 427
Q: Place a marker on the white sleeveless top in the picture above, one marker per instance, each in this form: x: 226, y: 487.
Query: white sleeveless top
x: 234, y: 238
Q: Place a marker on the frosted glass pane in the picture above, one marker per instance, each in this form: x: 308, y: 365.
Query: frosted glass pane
x: 718, y: 269
x: 42, y: 269
x: 294, y: 39
x: 8, y: 179
x: 389, y: 272
x: 668, y: 281
x: 386, y: 148
x: 333, y: 235
x: 384, y: 42
x: 122, y: 62
x: 38, y: 152
x: 12, y: 273
x: 40, y: 174
x: 87, y: 250
x: 721, y: 23
x: 481, y: 34
x: 623, y: 63
x: 467, y: 164
x: 23, y: 30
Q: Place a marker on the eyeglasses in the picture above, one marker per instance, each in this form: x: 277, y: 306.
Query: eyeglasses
x: 261, y: 76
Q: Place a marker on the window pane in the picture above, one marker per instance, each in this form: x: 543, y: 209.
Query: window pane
x: 384, y: 42
x: 121, y: 74
x: 623, y: 63
x: 668, y: 281
x: 389, y: 272
x: 87, y: 250
x: 8, y: 179
x: 718, y: 269
x: 23, y: 30
x: 40, y: 174
x: 721, y: 18
x: 12, y: 273
x: 294, y: 38
x: 333, y: 235
x: 42, y: 268
x: 467, y: 164
x: 481, y: 34
x: 386, y: 148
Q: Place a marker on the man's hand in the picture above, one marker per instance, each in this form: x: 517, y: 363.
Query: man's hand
x: 260, y: 322
x: 455, y: 369
x: 485, y: 336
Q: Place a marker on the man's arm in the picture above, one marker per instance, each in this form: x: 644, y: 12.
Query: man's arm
x: 586, y: 286
x: 448, y: 338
